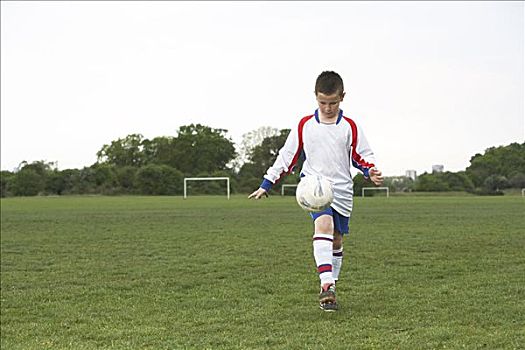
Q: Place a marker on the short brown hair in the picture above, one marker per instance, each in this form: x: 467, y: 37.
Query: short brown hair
x: 329, y: 83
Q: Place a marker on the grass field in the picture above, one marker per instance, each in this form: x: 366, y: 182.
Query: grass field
x: 207, y: 273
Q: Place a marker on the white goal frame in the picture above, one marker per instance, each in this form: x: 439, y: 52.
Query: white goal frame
x: 186, y: 179
x: 375, y: 188
x: 286, y: 185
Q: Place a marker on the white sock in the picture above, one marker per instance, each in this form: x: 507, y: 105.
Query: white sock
x: 323, y: 246
x: 337, y: 261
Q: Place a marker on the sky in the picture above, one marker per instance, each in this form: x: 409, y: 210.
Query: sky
x: 429, y: 82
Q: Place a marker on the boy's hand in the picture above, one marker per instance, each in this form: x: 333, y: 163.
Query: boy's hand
x: 258, y: 193
x: 376, y: 176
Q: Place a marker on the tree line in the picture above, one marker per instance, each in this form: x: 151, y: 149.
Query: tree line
x: 499, y: 168
x: 136, y: 165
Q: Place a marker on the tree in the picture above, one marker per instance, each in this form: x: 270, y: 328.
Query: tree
x: 198, y: 148
x: 6, y: 179
x: 41, y: 167
x: 27, y: 183
x: 31, y: 179
x: 264, y: 155
x: 517, y: 180
x: 123, y: 152
x: 85, y: 181
x: 55, y: 183
x: 447, y: 181
x: 431, y: 183
x: 500, y: 161
x: 457, y: 181
x: 66, y: 181
x: 154, y: 179
x: 160, y: 150
x: 248, y: 179
x: 125, y: 178
x: 251, y: 140
x: 494, y: 184
x: 105, y: 178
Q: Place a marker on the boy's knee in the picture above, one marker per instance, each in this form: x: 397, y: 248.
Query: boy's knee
x: 324, y: 224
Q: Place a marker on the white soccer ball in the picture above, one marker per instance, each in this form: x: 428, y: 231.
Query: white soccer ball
x: 314, y: 193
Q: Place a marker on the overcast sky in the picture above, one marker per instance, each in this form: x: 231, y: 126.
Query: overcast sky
x: 429, y: 82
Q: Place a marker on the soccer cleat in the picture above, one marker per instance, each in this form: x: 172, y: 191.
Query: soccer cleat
x: 327, y: 301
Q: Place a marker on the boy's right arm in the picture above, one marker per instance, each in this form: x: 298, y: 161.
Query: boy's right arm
x: 284, y: 163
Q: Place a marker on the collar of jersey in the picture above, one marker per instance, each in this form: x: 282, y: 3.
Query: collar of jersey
x: 339, y: 117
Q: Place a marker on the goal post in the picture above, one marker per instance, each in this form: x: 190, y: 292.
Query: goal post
x: 376, y: 189
x: 286, y: 185
x: 186, y: 179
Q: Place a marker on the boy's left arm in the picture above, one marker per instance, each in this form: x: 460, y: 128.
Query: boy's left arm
x: 363, y: 158
x: 376, y: 176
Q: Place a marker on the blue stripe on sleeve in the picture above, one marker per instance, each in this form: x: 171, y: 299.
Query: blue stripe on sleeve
x: 266, y: 184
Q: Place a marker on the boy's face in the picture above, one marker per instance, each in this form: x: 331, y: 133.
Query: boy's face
x: 329, y: 104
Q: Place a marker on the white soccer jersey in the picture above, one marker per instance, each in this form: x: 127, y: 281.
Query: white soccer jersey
x: 329, y: 151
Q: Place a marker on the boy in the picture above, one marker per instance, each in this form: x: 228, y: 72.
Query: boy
x: 330, y: 143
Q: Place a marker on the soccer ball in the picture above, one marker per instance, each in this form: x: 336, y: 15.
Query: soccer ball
x: 314, y: 193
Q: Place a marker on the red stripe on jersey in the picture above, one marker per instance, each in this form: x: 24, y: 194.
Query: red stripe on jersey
x: 356, y: 156
x: 299, y: 147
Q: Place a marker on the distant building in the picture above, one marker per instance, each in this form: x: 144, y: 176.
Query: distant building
x: 411, y: 174
x: 438, y: 168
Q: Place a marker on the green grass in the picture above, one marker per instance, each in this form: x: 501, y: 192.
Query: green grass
x: 207, y: 273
